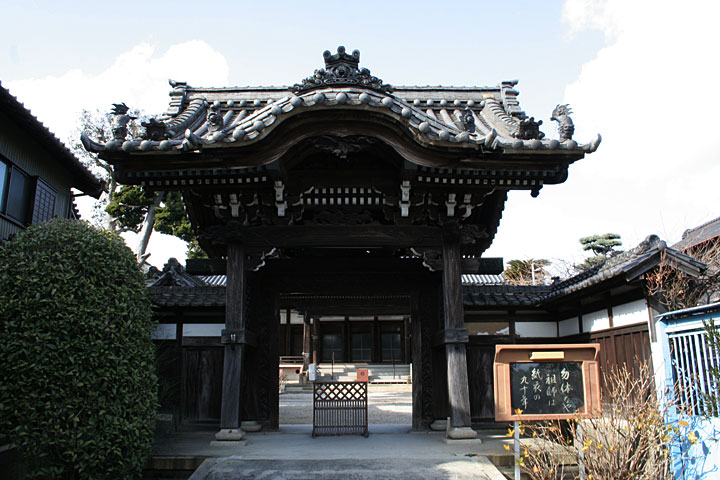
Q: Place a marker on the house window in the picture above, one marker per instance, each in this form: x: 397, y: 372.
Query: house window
x: 44, y: 208
x: 23, y: 198
x: 4, y: 168
x: 15, y: 190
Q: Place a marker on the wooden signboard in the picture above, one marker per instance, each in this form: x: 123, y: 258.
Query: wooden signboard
x: 546, y: 382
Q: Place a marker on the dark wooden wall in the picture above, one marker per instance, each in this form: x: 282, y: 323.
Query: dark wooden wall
x: 202, y: 384
x: 623, y: 347
x: 480, y: 360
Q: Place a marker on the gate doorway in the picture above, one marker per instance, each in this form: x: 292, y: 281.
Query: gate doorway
x: 326, y: 339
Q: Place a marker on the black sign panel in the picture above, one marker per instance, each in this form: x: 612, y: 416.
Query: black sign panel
x: 546, y: 387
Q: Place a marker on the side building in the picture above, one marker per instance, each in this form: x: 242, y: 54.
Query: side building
x: 37, y: 172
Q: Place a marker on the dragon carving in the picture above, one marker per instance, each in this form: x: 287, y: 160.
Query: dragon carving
x: 120, y: 120
x: 566, y: 128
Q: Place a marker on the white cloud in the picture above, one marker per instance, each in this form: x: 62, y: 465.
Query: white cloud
x: 652, y: 93
x: 138, y: 77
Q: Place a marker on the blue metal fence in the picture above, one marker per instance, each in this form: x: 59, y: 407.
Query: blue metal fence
x: 682, y: 357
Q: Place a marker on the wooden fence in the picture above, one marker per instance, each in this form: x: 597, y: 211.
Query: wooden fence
x: 340, y: 408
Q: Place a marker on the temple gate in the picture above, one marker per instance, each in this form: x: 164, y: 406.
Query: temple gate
x: 344, y: 186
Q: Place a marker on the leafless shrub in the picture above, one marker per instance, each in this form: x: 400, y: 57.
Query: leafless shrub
x: 676, y: 290
x: 630, y: 440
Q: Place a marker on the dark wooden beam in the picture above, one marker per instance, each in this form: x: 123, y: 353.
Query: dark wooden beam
x: 478, y: 266
x: 367, y: 236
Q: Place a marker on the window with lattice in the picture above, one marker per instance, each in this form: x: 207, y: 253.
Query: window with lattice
x: 44, y: 206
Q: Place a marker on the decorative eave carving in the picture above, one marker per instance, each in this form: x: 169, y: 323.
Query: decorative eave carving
x: 341, y: 69
x: 468, y: 120
x: 529, y: 129
x: 155, y: 130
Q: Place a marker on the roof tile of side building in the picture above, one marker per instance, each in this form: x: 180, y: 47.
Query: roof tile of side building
x: 699, y: 234
x: 455, y: 116
x: 84, y: 180
x: 628, y: 265
x: 187, y: 296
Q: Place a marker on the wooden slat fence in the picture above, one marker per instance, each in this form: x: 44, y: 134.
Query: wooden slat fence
x: 340, y: 408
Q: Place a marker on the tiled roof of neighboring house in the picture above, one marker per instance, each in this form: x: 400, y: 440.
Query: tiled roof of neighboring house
x: 699, y: 234
x: 478, y: 290
x: 214, y: 280
x: 83, y: 179
x: 469, y: 279
x: 464, y: 116
x: 631, y: 264
x: 688, y: 312
x: 474, y: 279
x: 504, y: 295
x: 187, y: 296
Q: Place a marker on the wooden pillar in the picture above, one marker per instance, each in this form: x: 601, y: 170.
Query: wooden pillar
x: 306, y: 342
x: 417, y: 366
x: 375, y: 341
x: 406, y: 339
x: 315, y: 339
x: 234, y: 339
x: 347, y: 349
x: 455, y: 337
x: 288, y: 333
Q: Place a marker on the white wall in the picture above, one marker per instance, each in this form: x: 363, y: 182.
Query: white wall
x: 536, y: 329
x: 569, y: 326
x: 630, y: 313
x: 595, y: 321
x: 202, y: 329
x: 164, y: 331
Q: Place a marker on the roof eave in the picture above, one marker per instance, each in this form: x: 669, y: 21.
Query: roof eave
x: 83, y: 179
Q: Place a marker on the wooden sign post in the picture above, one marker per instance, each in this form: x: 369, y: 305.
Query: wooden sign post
x: 546, y: 382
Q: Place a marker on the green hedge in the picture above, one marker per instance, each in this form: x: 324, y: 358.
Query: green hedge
x: 78, y: 391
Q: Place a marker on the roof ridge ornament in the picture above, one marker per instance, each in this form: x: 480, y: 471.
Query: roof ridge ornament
x: 529, y: 129
x: 120, y: 120
x: 341, y: 69
x: 566, y: 128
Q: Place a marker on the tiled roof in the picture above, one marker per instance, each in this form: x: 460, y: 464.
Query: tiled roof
x: 478, y: 290
x: 187, y: 296
x: 221, y: 280
x: 629, y: 264
x: 505, y: 295
x: 475, y: 279
x: 699, y: 234
x: 466, y: 117
x: 83, y: 179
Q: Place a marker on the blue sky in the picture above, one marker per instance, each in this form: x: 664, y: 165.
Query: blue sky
x: 636, y: 71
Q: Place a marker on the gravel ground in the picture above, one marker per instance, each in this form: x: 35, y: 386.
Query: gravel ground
x: 386, y: 405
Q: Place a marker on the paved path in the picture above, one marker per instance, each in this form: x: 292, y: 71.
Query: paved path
x: 359, y: 469
x: 385, y: 406
x: 390, y: 452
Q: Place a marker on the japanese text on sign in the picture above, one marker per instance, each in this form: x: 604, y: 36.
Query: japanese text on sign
x: 546, y: 387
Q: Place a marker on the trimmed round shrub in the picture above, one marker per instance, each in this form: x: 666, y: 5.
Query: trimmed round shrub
x: 78, y: 390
